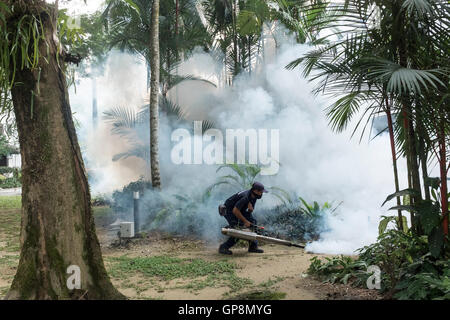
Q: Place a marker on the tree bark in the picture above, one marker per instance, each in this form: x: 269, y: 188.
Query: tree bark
x: 235, y: 44
x: 57, y: 228
x: 423, y: 156
x: 443, y: 174
x: 408, y: 164
x: 414, y: 162
x: 408, y: 124
x: 394, y: 161
x: 415, y: 175
x: 154, y: 92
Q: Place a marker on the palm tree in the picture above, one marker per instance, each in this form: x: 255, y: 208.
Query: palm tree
x: 180, y: 28
x: 162, y: 38
x: 386, y: 67
x: 231, y: 25
x: 303, y: 17
x: 236, y: 28
x: 154, y: 93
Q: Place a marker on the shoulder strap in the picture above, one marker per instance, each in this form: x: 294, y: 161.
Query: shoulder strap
x: 231, y: 201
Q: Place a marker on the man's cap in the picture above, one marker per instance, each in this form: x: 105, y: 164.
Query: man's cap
x: 259, y: 186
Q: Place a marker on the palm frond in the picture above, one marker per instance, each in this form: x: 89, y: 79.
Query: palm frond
x: 137, y: 150
x: 177, y: 79
x: 123, y: 119
x: 419, y: 6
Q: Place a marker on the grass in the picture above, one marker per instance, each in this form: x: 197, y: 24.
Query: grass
x: 10, y: 232
x: 260, y: 295
x: 10, y: 223
x: 139, y: 273
x: 167, y: 267
x: 201, y: 273
x: 4, y: 291
x: 9, y: 238
x: 9, y: 260
x: 269, y: 283
x: 10, y: 202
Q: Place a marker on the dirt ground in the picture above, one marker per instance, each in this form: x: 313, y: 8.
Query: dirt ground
x: 162, y: 266
x: 278, y: 273
x: 278, y: 269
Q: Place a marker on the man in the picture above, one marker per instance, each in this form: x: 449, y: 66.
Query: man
x: 239, y: 208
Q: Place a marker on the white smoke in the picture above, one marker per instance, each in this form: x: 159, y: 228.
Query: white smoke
x: 316, y: 163
x: 123, y: 83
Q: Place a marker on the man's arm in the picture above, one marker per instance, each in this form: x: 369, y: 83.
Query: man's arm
x: 239, y: 215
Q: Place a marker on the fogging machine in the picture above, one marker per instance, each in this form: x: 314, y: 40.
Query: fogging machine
x: 252, y: 235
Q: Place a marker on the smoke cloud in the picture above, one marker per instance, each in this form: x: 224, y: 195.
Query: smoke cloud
x: 315, y: 163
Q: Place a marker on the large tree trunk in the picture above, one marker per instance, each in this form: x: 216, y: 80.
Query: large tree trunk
x: 154, y: 92
x: 57, y: 228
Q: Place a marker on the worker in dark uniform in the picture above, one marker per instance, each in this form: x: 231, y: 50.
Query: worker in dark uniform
x: 239, y: 208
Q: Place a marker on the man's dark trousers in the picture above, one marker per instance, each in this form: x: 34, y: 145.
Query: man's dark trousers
x: 233, y: 221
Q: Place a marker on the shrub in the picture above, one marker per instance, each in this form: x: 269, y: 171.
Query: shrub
x: 10, y: 182
x: 123, y: 200
x: 408, y: 269
x: 340, y: 269
x: 100, y: 200
x: 296, y: 220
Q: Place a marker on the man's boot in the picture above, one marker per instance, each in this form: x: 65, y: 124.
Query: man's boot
x: 224, y: 250
x: 253, y: 247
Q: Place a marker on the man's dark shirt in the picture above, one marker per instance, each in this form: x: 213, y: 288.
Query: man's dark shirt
x: 240, y: 200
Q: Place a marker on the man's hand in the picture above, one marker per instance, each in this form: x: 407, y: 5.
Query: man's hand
x: 239, y: 215
x: 250, y: 207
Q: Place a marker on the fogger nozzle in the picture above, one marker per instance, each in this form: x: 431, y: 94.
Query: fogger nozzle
x: 253, y: 236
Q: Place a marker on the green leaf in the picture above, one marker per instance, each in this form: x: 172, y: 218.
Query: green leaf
x: 436, y: 240
x: 428, y: 213
x: 399, y: 194
x: 316, y: 207
x: 434, y: 195
x: 383, y: 224
x: 433, y: 182
x: 248, y: 23
x: 407, y: 208
x: 282, y: 194
x: 345, y: 278
x: 406, y: 199
x: 133, y: 5
x: 404, y: 223
x: 420, y: 6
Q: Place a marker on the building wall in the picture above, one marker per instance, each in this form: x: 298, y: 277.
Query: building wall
x: 14, y: 161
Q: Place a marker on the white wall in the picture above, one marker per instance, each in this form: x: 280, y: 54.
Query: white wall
x: 14, y: 161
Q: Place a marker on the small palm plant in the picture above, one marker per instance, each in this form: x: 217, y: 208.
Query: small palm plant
x: 315, y: 210
x: 242, y: 177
